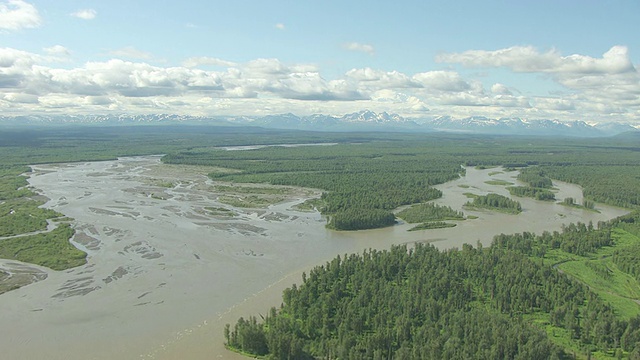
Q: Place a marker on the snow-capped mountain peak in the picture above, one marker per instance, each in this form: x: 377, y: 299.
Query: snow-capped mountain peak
x: 365, y: 120
x: 368, y: 116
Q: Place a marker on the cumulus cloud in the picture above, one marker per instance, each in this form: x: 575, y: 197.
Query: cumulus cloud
x: 85, y: 14
x: 18, y: 14
x: 354, y: 46
x: 617, y: 83
x: 206, y: 61
x: 442, y: 80
x: 54, y: 101
x: 411, y: 103
x: 280, y: 26
x: 529, y: 59
x: 20, y: 98
x: 57, y: 50
x: 13, y: 58
x: 311, y: 86
x: 23, y: 71
x: 554, y: 104
x: 381, y: 79
x: 98, y: 100
x: 131, y: 52
x: 32, y: 82
x: 607, y: 83
x: 500, y: 89
x: 301, y: 81
x: 272, y: 67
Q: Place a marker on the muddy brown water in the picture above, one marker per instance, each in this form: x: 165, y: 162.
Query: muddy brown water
x: 164, y: 275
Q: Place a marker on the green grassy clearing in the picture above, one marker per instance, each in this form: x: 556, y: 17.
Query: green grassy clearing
x: 52, y: 249
x: 599, y: 272
x: 23, y: 215
x: 558, y: 335
x: 621, y: 290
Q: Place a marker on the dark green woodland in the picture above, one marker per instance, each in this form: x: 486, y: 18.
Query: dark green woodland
x: 508, y: 301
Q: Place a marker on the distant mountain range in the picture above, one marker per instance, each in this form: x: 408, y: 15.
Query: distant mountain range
x: 360, y: 121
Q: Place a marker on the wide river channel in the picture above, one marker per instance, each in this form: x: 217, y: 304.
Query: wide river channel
x: 165, y: 273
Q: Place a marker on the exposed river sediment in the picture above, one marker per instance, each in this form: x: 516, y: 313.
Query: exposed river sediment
x: 165, y: 272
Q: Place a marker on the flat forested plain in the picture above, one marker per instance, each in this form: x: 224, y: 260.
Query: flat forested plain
x: 565, y: 294
x: 364, y: 181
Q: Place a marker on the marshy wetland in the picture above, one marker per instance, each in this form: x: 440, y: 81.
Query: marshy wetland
x: 174, y: 255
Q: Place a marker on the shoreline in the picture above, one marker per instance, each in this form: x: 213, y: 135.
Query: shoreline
x: 206, y: 340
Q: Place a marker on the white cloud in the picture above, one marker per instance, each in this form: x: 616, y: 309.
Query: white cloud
x: 270, y: 77
x: 280, y: 26
x: 507, y: 101
x: 31, y: 82
x: 12, y: 58
x: 464, y: 99
x: 310, y: 86
x: 57, y: 50
x: 616, y: 83
x: 528, y: 59
x: 18, y: 14
x: 207, y: 61
x: 98, y: 100
x: 130, y: 52
x: 442, y: 80
x: 85, y: 14
x: 410, y: 103
x: 606, y: 85
x: 500, y: 89
x: 55, y: 101
x: 354, y: 46
x: 381, y: 79
x: 266, y: 67
x: 545, y: 103
x: 21, y: 98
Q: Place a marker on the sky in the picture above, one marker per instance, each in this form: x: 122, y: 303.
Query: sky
x: 566, y: 60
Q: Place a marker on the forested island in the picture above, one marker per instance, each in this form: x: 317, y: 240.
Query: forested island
x: 430, y: 215
x: 495, y: 202
x: 538, y: 184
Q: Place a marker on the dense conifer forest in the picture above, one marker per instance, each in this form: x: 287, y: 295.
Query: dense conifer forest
x: 508, y: 301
